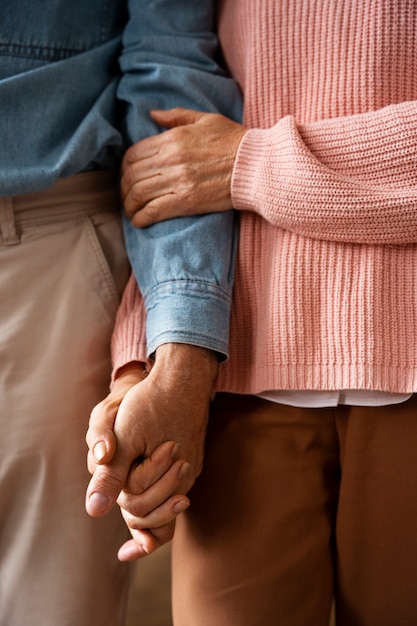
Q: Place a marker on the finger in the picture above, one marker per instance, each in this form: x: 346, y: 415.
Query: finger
x: 143, y: 149
x: 108, y: 480
x: 157, y: 537
x: 144, y: 543
x: 91, y: 463
x: 130, y: 551
x: 100, y: 436
x: 140, y: 501
x: 152, y: 539
x: 160, y: 209
x: 140, y: 168
x: 161, y: 516
x: 104, y: 488
x: 143, y: 189
x: 176, y: 117
x: 149, y: 471
x: 150, y: 146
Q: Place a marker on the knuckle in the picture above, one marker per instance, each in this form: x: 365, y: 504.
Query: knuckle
x: 96, y: 411
x: 90, y: 438
x: 177, y: 149
x: 103, y: 408
x: 138, y: 511
x: 134, y: 516
x: 136, y: 194
x: 128, y: 177
x: 165, y: 536
x: 107, y: 479
x: 153, y: 211
x: 165, y: 532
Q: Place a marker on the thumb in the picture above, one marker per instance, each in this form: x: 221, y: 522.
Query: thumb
x: 108, y: 476
x: 175, y: 117
x: 105, y: 487
x: 100, y: 435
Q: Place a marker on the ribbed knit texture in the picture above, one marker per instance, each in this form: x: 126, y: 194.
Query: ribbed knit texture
x: 326, y: 182
x: 129, y: 341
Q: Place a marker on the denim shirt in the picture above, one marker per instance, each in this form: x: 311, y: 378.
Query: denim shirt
x: 77, y: 82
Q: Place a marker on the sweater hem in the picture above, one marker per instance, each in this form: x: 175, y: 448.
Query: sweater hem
x: 328, y: 377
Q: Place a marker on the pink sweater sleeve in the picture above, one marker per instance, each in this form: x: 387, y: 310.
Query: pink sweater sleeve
x: 128, y: 340
x: 350, y: 179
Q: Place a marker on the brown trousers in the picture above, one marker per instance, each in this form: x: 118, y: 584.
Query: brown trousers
x: 296, y: 507
x: 62, y: 271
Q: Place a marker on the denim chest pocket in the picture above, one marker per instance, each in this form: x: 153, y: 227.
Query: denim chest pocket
x: 50, y: 30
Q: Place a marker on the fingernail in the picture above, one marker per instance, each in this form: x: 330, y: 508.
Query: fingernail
x: 99, y: 502
x: 183, y: 470
x: 175, y: 450
x: 144, y: 549
x: 181, y: 506
x: 99, y: 451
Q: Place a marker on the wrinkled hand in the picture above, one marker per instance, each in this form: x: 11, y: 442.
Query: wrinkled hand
x: 157, y: 475
x: 186, y: 170
x: 167, y: 408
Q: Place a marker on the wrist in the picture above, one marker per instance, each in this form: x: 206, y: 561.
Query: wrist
x: 193, y: 362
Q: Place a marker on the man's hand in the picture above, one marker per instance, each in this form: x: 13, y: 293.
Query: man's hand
x: 186, y: 170
x: 169, y: 407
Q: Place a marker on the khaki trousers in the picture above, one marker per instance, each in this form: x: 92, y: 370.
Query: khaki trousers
x: 295, y: 507
x: 62, y: 271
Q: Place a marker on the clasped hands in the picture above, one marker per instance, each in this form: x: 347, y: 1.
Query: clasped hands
x: 146, y: 443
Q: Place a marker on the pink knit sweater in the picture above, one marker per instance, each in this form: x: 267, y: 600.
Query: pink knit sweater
x: 326, y: 183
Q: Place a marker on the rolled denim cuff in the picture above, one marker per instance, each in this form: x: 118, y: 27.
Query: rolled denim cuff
x: 183, y: 311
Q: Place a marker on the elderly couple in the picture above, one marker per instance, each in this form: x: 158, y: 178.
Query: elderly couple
x: 262, y: 409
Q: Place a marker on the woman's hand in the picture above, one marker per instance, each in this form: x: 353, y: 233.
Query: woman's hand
x: 184, y: 171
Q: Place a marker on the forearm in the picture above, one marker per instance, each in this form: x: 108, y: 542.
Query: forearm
x: 349, y: 179
x: 185, y: 271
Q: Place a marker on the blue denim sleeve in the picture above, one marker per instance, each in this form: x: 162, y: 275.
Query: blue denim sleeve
x: 184, y: 267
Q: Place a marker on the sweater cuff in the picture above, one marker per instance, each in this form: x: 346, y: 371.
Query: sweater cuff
x: 250, y: 158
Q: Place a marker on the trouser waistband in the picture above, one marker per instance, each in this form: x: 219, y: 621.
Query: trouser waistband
x: 83, y: 194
